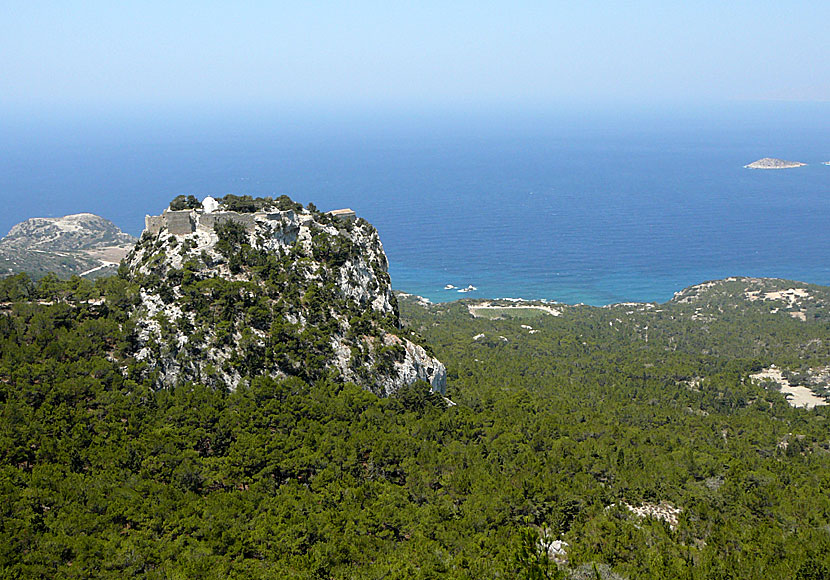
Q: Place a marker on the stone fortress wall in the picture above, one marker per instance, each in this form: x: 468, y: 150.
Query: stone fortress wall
x: 183, y: 222
x: 179, y: 222
x: 206, y: 218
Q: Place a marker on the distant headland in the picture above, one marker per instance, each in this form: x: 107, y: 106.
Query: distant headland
x: 770, y: 163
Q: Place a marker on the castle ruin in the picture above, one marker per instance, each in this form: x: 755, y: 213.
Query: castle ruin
x: 206, y: 218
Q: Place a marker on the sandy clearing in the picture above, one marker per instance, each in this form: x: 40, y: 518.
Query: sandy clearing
x: 474, y: 308
x: 790, y: 295
x: 109, y: 253
x: 797, y: 395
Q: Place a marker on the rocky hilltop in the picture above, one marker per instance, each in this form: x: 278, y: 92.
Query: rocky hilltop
x: 240, y: 287
x: 770, y: 163
x: 777, y: 295
x: 81, y: 244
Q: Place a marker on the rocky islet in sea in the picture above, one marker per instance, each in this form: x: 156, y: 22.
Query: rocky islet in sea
x: 771, y: 163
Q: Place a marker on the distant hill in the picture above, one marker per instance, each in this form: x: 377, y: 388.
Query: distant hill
x: 81, y: 244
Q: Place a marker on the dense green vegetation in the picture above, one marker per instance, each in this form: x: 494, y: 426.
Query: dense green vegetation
x: 239, y: 203
x: 181, y: 202
x: 248, y: 204
x: 551, y: 433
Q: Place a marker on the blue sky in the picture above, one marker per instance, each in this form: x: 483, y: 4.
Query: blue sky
x: 402, y: 54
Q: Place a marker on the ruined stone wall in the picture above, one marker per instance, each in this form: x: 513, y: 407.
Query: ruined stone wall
x: 185, y: 222
x: 209, y: 221
x: 345, y: 215
x: 179, y: 222
x: 206, y: 222
x: 154, y: 223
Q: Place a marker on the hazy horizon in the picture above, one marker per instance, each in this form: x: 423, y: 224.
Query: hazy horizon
x: 94, y: 56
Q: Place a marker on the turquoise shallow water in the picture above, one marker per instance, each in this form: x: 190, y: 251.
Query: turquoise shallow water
x: 594, y: 208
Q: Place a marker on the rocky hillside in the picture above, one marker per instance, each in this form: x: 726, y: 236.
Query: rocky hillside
x: 240, y: 287
x: 798, y: 300
x: 81, y: 244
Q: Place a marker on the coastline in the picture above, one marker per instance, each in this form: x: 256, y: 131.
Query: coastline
x: 589, y: 297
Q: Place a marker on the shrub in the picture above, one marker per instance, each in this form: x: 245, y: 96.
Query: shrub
x: 181, y: 202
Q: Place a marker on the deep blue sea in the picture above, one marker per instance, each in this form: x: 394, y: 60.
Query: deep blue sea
x: 573, y: 206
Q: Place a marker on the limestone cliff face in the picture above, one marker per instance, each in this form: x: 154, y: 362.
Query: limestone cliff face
x: 278, y: 291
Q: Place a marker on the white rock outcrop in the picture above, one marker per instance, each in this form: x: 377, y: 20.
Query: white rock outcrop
x: 297, y: 276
